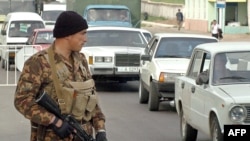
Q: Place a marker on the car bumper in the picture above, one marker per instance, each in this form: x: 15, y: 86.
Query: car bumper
x: 165, y: 89
x: 114, y: 74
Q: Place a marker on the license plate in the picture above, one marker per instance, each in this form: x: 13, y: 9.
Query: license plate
x: 127, y: 69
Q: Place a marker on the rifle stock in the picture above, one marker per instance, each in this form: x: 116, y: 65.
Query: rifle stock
x: 49, y: 104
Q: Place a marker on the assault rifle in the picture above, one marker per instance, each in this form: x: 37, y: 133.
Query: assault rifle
x: 49, y: 104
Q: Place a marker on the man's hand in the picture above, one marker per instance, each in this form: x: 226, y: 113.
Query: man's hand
x: 63, y: 130
x: 101, y: 136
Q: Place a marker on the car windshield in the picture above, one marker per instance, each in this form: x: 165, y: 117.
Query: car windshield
x: 179, y: 47
x: 121, y: 38
x: 44, y: 37
x: 23, y: 28
x: 231, y: 68
x: 100, y: 14
x: 51, y: 15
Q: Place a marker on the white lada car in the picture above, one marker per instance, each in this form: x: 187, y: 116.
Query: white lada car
x: 215, y: 90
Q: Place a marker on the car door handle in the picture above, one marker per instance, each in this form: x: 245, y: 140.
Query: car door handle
x: 193, y: 89
x: 182, y: 85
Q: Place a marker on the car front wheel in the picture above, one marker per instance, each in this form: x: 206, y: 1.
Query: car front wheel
x: 154, y: 100
x: 188, y: 133
x: 216, y: 134
x: 143, y: 94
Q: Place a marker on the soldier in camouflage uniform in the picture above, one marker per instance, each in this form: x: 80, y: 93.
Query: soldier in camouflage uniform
x: 72, y: 72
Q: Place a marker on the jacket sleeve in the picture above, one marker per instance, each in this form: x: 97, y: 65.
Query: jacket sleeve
x: 98, y: 119
x: 28, y: 86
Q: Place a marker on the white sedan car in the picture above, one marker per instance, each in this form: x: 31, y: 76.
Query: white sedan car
x: 215, y: 90
x: 166, y: 56
x: 113, y: 53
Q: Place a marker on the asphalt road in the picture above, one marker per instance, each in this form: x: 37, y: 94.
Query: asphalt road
x: 127, y: 120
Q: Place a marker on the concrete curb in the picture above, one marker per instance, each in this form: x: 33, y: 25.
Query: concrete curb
x: 158, y: 24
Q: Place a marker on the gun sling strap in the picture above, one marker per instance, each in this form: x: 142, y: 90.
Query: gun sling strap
x: 61, y: 101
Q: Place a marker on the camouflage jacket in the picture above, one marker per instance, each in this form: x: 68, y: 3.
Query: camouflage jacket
x: 37, y: 76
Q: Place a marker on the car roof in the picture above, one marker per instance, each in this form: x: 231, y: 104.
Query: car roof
x: 220, y: 47
x: 161, y: 35
x: 99, y: 6
x: 43, y: 29
x: 20, y: 16
x: 114, y: 28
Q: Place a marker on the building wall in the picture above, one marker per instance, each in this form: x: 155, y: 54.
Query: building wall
x: 157, y: 9
x: 198, y: 14
x: 242, y: 14
x: 196, y: 25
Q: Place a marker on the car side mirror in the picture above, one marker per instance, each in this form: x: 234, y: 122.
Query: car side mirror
x: 3, y: 32
x: 146, y: 57
x: 202, y: 78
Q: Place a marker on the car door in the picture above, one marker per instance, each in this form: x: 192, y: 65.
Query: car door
x: 189, y: 95
x: 200, y: 95
x: 146, y: 65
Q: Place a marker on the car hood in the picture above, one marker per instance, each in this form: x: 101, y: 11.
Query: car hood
x: 43, y: 46
x: 109, y: 50
x: 16, y: 40
x: 178, y: 65
x: 238, y: 92
x: 109, y: 23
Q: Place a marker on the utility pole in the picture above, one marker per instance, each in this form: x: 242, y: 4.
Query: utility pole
x: 10, y: 6
x: 221, y: 4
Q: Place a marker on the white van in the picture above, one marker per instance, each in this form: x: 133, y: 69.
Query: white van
x: 26, y: 21
x: 16, y: 29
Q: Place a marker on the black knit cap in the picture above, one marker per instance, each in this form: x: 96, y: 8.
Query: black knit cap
x: 68, y: 23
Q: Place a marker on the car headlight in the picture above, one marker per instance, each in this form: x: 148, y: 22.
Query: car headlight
x: 108, y: 59
x: 238, y: 113
x: 167, y: 77
x: 100, y: 59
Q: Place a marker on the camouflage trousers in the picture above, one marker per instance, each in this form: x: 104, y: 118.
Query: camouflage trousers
x: 41, y: 133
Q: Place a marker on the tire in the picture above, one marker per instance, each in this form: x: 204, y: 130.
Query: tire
x: 154, y: 100
x: 216, y: 134
x: 188, y: 133
x: 143, y: 94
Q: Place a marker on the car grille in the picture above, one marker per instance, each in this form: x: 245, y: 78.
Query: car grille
x: 247, y: 120
x: 127, y: 59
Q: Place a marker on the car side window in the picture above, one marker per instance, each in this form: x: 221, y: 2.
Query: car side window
x: 147, y: 35
x: 31, y: 39
x: 151, y: 49
x: 4, y: 27
x: 206, y: 62
x: 195, y: 64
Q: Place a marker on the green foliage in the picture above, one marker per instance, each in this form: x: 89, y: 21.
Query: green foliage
x: 170, y: 1
x: 153, y: 18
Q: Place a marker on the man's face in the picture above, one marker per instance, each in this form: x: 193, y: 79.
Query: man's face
x: 77, y: 40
